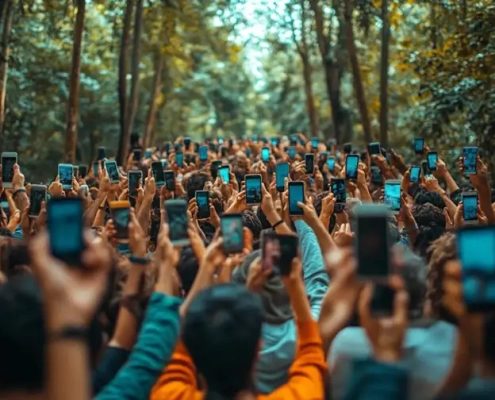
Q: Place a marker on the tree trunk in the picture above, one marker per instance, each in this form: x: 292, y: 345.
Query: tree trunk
x: 157, y: 87
x: 122, y: 85
x: 310, y: 102
x: 75, y: 75
x: 7, y: 13
x: 384, y: 65
x: 433, y: 24
x: 356, y: 72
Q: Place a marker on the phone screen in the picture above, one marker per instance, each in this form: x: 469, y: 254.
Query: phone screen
x: 65, y: 174
x: 414, y: 174
x: 65, y: 228
x: 281, y: 173
x: 351, y: 166
x: 96, y: 168
x: 134, y: 178
x: 8, y: 168
x: 419, y: 144
x: 382, y: 301
x: 470, y: 207
x: 478, y: 267
x: 432, y: 159
x: 202, y: 201
x: 375, y: 148
x: 470, y: 158
x: 265, y: 154
x: 348, y: 148
x: 137, y: 154
x: 187, y: 143
x: 169, y: 180
x: 112, y: 171
x: 339, y: 190
x: 179, y: 159
x: 83, y: 171
x: 224, y: 172
x: 376, y: 175
x: 36, y: 196
x: 372, y: 246
x: 277, y: 252
x: 253, y: 189
x: 203, y: 153
x: 274, y: 141
x: 309, y: 158
x: 215, y: 165
x: 314, y: 143
x: 296, y: 195
x: 426, y: 170
x: 392, y: 196
x: 157, y: 171
x: 331, y: 164
x: 292, y: 152
x: 233, y: 238
x: 147, y: 154
x: 101, y: 153
x: 178, y: 221
x: 121, y: 218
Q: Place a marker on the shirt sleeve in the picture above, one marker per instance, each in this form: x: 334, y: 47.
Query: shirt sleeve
x: 315, y: 276
x: 113, y: 359
x: 152, y: 351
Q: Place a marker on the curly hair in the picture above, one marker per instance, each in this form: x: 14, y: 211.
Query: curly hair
x: 441, y: 251
x: 431, y: 223
x: 425, y: 197
x: 194, y: 182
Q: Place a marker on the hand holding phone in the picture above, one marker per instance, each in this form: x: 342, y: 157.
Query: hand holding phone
x: 232, y: 233
x: 66, y: 176
x: 203, y: 204
x: 392, y: 195
x: 432, y: 159
x: 470, y: 206
x: 157, y: 171
x: 281, y: 174
x: 309, y: 159
x: 36, y: 197
x: 9, y: 159
x: 112, y: 171
x: 296, y: 195
x: 351, y: 167
x: 414, y: 174
x: 253, y: 189
x: 176, y: 211
x: 121, y: 216
x: 470, y: 160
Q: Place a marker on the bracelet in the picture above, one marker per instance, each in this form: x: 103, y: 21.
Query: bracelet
x: 278, y: 223
x: 21, y: 190
x: 76, y: 333
x: 138, y: 260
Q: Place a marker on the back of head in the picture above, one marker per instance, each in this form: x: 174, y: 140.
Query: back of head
x: 431, y: 223
x: 221, y: 331
x: 424, y: 197
x: 187, y: 269
x: 195, y: 181
x: 413, y: 270
x: 251, y: 221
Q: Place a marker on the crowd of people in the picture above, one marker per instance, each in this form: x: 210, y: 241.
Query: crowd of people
x: 142, y: 318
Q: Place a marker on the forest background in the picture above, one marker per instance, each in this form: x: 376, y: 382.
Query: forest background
x: 78, y: 74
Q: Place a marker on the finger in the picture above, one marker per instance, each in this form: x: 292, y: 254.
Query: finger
x: 401, y: 302
x: 364, y: 304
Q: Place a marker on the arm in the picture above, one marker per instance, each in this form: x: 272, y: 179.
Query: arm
x: 92, y: 211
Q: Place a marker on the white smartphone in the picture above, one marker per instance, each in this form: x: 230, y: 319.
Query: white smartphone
x: 112, y: 171
x: 65, y: 175
x: 8, y: 161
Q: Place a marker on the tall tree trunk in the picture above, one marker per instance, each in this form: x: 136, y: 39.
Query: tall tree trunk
x: 75, y: 75
x: 310, y: 101
x: 356, y: 72
x: 132, y: 104
x: 433, y: 24
x: 384, y: 65
x: 7, y: 13
x: 157, y: 87
x: 122, y: 85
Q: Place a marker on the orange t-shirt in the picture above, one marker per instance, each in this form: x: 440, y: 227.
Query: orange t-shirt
x: 306, y: 376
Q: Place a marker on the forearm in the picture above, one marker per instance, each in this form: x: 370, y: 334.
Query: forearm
x: 144, y: 213
x: 90, y: 214
x: 21, y: 201
x: 451, y: 183
x: 485, y: 200
x: 299, y: 301
x: 365, y: 193
x: 324, y: 239
x: 281, y: 229
x: 451, y: 207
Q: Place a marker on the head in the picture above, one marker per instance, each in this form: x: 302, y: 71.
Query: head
x: 431, y: 224
x: 441, y: 251
x: 252, y: 222
x: 424, y: 197
x: 318, y: 205
x: 187, y: 269
x: 196, y: 181
x: 222, y: 330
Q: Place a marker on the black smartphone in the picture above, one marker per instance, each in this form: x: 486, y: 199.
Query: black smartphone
x: 101, y: 153
x: 277, y: 252
x: 112, y: 171
x: 179, y: 159
x: 187, y: 143
x: 470, y: 206
x: 121, y: 216
x: 376, y: 175
x: 75, y: 170
x: 476, y: 248
x: 66, y: 229
x: 224, y: 151
x: 9, y: 159
x: 232, y: 234
x: 309, y: 159
x: 374, y: 148
x: 351, y: 167
x: 331, y: 164
x: 432, y: 159
x: 157, y: 171
x: 347, y: 148
x: 281, y: 173
x: 338, y: 188
x: 65, y: 175
x: 419, y: 145
x: 224, y: 172
x: 215, y: 165
x: 265, y: 154
x: 392, y: 195
x: 414, y: 174
x: 253, y: 189
x: 176, y: 211
x: 470, y: 159
x: 382, y: 301
x: 330, y: 144
x: 296, y: 195
x: 203, y: 153
x: 96, y: 169
x: 426, y: 169
x: 134, y: 177
x: 37, y: 195
x: 203, y: 203
x: 137, y: 154
x: 372, y: 242
x: 83, y: 171
x: 169, y: 177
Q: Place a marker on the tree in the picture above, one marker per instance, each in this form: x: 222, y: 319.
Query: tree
x: 7, y: 14
x: 72, y: 118
x: 384, y: 66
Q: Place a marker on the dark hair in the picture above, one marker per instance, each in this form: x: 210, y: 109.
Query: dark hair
x: 251, y: 221
x: 431, y: 224
x: 187, y: 269
x: 424, y: 197
x: 413, y: 271
x: 318, y: 205
x: 196, y: 181
x: 5, y: 232
x: 222, y: 330
x: 263, y: 220
x: 14, y: 257
x: 489, y: 343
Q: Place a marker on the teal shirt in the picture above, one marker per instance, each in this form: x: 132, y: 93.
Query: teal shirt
x: 279, y: 341
x: 151, y: 353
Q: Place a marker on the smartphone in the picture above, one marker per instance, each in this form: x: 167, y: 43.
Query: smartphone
x: 101, y: 153
x: 419, y: 145
x: 351, y: 167
x: 309, y: 159
x: 176, y: 211
x: 187, y: 143
x: 37, y: 195
x: 66, y: 228
x: 338, y: 188
x: 76, y: 171
x: 274, y: 141
x: 432, y: 159
x: 426, y: 169
x: 281, y: 173
x: 374, y: 148
x: 203, y: 203
x: 392, y: 195
x: 179, y: 159
x: 314, y: 143
x: 148, y: 153
x: 372, y: 242
x: 137, y: 154
x: 169, y: 180
x: 348, y: 148
x: 265, y: 154
x: 330, y: 144
x: 84, y: 191
x: 292, y: 152
x: 331, y: 164
x: 414, y: 174
x: 224, y: 172
x: 203, y: 153
x: 96, y: 169
x: 253, y: 189
x: 382, y: 301
x: 65, y: 175
x: 83, y: 171
x: 478, y: 267
x: 296, y: 195
x: 220, y: 140
x: 215, y: 165
x: 293, y: 140
x: 324, y: 156
x: 9, y: 159
x: 470, y: 155
x: 470, y: 206
x: 232, y: 234
x: 112, y: 171
x: 157, y: 171
x: 277, y: 252
x: 224, y: 151
x: 134, y: 177
x: 376, y: 175
x: 120, y: 211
